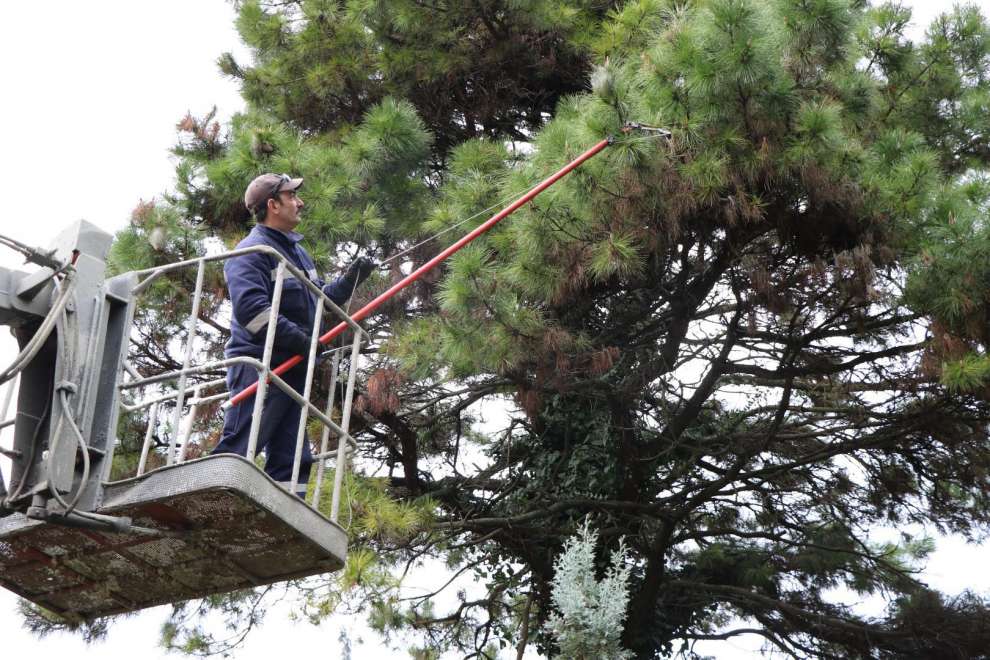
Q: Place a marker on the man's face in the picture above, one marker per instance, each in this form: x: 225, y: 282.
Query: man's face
x: 283, y: 213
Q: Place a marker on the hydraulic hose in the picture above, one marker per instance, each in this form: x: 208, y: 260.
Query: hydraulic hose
x: 44, y: 330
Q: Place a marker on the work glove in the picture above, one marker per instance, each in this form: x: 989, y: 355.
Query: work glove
x: 359, y: 270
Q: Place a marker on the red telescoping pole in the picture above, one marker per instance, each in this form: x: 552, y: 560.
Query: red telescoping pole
x: 429, y: 265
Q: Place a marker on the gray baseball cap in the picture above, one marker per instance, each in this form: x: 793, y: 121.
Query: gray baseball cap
x: 265, y: 187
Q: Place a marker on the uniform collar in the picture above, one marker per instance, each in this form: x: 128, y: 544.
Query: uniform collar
x: 289, y: 236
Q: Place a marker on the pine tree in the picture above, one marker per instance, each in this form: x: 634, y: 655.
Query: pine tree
x: 740, y: 348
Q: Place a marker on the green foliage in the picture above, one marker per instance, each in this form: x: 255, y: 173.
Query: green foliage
x: 43, y: 622
x: 363, y: 187
x: 157, y: 235
x: 185, y: 631
x: 492, y: 69
x: 632, y: 26
x: 363, y: 569
x: 818, y: 133
x: 966, y: 374
x: 615, y: 256
x: 818, y: 31
x: 369, y: 512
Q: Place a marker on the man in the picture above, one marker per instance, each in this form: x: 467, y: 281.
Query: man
x: 275, y: 205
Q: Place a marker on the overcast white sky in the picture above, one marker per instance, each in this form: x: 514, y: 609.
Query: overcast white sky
x: 94, y: 90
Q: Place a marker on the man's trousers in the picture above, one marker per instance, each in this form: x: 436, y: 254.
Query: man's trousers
x: 279, y: 425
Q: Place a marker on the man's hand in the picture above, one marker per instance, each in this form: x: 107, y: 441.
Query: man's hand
x: 360, y: 269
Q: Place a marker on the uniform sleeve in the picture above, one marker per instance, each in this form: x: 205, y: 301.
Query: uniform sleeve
x: 251, y: 285
x: 338, y: 290
x: 341, y: 288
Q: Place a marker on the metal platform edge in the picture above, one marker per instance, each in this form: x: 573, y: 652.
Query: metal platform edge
x: 231, y: 472
x: 166, y: 481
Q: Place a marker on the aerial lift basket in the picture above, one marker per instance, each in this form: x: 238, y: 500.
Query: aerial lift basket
x: 82, y: 546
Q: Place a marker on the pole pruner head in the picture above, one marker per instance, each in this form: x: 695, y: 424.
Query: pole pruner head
x: 659, y: 131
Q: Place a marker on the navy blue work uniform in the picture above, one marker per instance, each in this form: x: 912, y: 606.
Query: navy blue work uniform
x: 251, y: 283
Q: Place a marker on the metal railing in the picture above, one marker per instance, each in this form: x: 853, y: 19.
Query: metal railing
x: 187, y: 398
x: 5, y: 399
x: 6, y: 396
